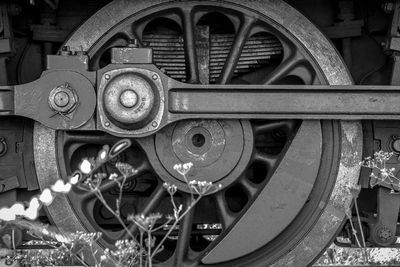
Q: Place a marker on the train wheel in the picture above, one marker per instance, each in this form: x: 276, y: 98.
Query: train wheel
x: 284, y: 183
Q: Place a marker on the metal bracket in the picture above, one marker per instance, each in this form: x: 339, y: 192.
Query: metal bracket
x: 131, y: 54
x: 383, y: 232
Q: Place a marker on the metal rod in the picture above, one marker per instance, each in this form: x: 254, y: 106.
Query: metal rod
x: 287, y: 101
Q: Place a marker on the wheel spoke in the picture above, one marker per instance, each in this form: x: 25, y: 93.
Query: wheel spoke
x: 303, y: 72
x: 226, y: 216
x: 190, y: 45
x: 130, y: 33
x: 282, y: 70
x: 153, y: 201
x: 268, y: 159
x: 248, y: 186
x: 236, y: 50
x: 185, y: 229
x: 288, y: 125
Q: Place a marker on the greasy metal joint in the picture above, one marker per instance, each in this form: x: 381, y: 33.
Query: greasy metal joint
x: 129, y: 101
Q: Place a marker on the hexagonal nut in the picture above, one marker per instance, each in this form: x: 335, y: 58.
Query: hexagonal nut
x: 63, y: 99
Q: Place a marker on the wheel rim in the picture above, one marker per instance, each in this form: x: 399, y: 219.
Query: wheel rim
x: 340, y: 164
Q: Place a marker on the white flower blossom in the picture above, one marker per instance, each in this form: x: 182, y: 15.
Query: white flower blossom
x: 46, y: 197
x: 86, y: 167
x: 61, y: 187
x: 183, y: 169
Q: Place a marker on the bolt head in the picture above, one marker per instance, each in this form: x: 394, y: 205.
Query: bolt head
x: 396, y: 145
x: 128, y: 98
x: 61, y: 99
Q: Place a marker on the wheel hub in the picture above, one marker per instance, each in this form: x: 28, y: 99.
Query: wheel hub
x: 216, y: 149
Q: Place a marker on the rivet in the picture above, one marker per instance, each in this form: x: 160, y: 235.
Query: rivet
x: 154, y: 124
x: 396, y: 144
x: 155, y: 76
x: 107, y: 124
x: 107, y: 76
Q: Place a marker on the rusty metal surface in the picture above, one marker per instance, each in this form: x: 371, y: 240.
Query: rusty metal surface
x: 60, y: 211
x: 124, y: 55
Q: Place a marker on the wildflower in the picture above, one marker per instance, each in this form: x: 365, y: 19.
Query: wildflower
x: 171, y: 189
x: 125, y: 169
x: 169, y: 217
x: 177, y: 211
x: 145, y: 223
x: 113, y: 176
x: 45, y: 231
x: 6, y: 215
x: 61, y: 238
x: 74, y: 179
x: 100, y: 176
x: 103, y: 154
x: 86, y: 167
x: 150, y: 242
x: 46, y: 197
x: 200, y: 187
x: 32, y: 211
x: 126, y: 252
x: 183, y: 169
x: 61, y: 187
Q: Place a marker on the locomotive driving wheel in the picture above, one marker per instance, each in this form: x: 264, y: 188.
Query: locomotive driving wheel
x: 284, y: 183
